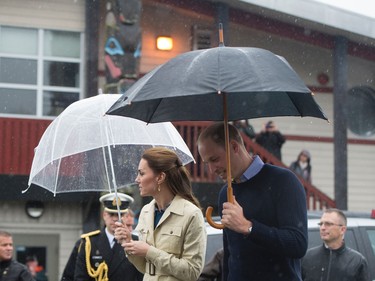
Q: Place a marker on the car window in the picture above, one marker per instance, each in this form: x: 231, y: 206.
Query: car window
x: 314, y: 238
x: 350, y: 240
x: 371, y: 236
x: 214, y: 243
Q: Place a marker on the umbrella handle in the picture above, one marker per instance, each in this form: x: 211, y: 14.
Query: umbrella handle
x: 210, y: 209
x: 210, y: 221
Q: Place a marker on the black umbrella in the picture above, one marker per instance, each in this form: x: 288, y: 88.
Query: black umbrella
x: 219, y: 84
x: 256, y: 82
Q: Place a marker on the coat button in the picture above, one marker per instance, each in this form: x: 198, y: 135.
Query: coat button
x: 171, y: 232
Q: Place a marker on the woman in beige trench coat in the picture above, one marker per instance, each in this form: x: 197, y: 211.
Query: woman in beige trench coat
x: 172, y: 233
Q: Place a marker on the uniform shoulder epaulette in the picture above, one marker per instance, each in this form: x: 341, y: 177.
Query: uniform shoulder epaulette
x: 92, y: 233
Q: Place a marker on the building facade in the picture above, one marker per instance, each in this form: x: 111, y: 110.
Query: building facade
x: 53, y: 53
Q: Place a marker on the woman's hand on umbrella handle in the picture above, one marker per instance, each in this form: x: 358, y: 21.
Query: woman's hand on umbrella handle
x: 210, y: 221
x: 122, y: 233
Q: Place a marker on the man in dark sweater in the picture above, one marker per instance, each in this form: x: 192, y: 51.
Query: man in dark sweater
x: 265, y: 233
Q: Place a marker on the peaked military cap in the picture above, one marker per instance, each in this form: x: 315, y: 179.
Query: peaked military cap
x: 110, y: 205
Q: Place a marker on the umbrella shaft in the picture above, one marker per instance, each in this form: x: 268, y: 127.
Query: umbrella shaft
x: 227, y: 150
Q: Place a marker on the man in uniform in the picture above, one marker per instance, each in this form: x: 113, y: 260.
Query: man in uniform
x: 100, y: 257
x: 68, y: 273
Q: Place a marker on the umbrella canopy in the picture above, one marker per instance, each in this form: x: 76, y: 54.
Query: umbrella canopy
x: 219, y: 84
x: 84, y: 149
x: 257, y: 82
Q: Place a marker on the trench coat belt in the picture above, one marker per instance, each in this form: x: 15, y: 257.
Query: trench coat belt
x: 151, y: 269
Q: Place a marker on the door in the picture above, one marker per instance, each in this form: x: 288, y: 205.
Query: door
x: 42, y: 246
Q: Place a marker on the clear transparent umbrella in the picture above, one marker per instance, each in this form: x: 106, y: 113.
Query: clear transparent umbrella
x: 84, y: 149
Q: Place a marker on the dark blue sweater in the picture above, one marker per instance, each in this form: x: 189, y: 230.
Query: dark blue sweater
x: 275, y: 201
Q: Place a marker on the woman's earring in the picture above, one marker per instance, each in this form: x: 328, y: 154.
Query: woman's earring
x: 159, y: 187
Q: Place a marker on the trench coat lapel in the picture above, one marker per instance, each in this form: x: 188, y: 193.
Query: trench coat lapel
x: 149, y: 221
x: 176, y: 207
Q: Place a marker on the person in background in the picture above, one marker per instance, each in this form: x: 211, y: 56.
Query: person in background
x: 172, y: 244
x: 99, y: 256
x: 37, y: 271
x: 302, y: 166
x: 245, y: 127
x: 213, y: 270
x: 265, y: 234
x: 333, y: 261
x: 271, y: 139
x: 10, y: 269
x: 68, y: 273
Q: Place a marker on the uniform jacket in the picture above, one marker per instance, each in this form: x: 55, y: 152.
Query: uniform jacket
x: 343, y: 264
x: 119, y: 267
x: 68, y: 273
x: 178, y: 243
x: 14, y: 271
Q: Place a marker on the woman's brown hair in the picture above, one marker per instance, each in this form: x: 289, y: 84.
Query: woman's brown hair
x: 177, y: 178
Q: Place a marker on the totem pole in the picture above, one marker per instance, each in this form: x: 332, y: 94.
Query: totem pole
x: 123, y: 44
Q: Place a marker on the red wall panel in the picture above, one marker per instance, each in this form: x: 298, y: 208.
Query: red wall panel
x: 18, y: 138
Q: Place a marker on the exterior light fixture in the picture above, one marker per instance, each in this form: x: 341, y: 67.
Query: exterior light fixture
x: 34, y: 209
x: 164, y: 43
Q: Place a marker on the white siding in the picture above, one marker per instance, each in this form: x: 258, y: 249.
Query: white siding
x: 64, y: 220
x: 361, y: 177
x: 62, y: 14
x: 361, y: 161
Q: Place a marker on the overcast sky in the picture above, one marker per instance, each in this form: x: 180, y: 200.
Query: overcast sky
x: 363, y: 7
x: 355, y: 16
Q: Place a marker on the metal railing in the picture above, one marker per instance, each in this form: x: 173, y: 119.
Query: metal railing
x: 189, y: 130
x: 19, y: 137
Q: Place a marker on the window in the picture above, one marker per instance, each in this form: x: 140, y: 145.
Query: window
x: 315, y: 240
x: 40, y: 70
x: 201, y: 38
x: 361, y: 110
x: 371, y: 236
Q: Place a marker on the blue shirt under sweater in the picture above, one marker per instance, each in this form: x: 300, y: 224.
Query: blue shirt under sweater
x: 275, y: 201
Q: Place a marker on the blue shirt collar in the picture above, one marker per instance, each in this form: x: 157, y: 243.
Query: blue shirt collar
x: 253, y: 169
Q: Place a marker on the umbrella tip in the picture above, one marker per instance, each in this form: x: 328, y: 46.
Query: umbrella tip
x: 221, y: 35
x: 25, y: 190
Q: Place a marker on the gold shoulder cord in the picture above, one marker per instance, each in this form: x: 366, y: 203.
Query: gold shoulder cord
x: 101, y: 274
